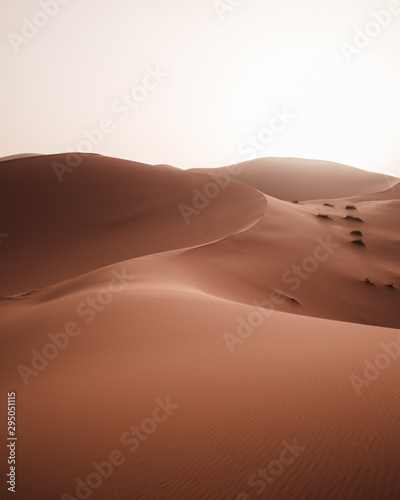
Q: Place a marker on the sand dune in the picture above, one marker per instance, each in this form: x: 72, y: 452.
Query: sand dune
x: 391, y: 193
x: 166, y: 325
x: 19, y: 156
x: 289, y: 380
x: 105, y: 210
x: 293, y: 179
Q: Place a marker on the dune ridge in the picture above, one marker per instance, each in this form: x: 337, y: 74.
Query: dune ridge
x: 297, y: 179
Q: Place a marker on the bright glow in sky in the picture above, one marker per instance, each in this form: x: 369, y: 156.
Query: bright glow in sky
x: 263, y: 78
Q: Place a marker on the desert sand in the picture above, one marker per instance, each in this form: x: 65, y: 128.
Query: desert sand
x: 252, y: 342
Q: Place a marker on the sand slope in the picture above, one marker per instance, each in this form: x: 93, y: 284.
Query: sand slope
x: 289, y: 380
x: 163, y: 309
x: 106, y: 210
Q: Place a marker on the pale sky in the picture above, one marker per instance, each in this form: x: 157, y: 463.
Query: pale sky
x: 205, y: 83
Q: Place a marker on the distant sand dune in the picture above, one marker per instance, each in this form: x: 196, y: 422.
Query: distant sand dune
x: 19, y: 156
x: 293, y: 179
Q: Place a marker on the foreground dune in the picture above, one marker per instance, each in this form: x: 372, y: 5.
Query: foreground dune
x: 173, y: 359
x: 289, y: 380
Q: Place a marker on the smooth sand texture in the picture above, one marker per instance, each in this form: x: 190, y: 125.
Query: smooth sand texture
x: 104, y: 211
x: 249, y: 382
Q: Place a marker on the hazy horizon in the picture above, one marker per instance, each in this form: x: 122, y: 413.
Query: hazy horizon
x: 208, y: 81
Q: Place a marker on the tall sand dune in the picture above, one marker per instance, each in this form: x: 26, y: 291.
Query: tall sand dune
x: 105, y: 210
